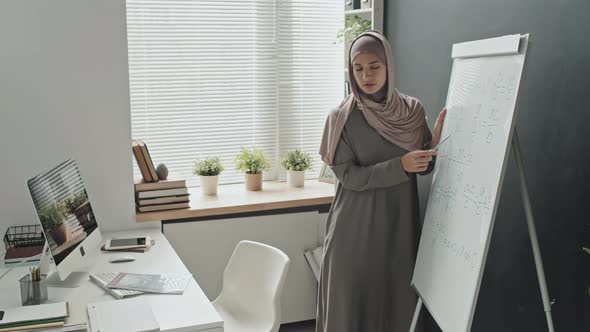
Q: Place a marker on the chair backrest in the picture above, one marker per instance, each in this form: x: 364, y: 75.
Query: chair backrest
x: 253, y: 281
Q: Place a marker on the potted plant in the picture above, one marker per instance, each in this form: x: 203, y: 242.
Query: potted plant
x: 252, y: 162
x: 208, y: 169
x: 296, y: 163
x: 79, y: 206
x: 52, y: 218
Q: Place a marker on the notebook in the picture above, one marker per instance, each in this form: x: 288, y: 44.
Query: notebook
x: 34, y: 314
x: 32, y: 326
x: 168, y: 283
x: 162, y: 207
x: 19, y: 254
x: 122, y: 316
x: 162, y: 193
x: 102, y: 279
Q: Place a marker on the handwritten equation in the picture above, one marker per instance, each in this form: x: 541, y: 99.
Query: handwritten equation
x: 440, y: 239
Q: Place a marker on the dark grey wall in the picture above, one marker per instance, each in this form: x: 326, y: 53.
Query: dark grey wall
x: 553, y: 122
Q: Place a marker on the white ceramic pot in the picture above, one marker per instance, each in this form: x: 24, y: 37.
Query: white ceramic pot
x: 253, y: 182
x: 348, y: 4
x: 296, y: 179
x: 209, y: 184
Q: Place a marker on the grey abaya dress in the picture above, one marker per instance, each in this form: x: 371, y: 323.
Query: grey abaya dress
x: 371, y: 238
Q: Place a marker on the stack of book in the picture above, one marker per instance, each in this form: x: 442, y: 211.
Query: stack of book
x: 153, y: 193
x: 161, y: 195
x: 42, y: 317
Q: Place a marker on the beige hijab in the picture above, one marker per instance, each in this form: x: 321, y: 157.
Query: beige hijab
x: 398, y: 118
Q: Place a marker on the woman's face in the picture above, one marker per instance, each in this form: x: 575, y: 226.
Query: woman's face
x: 369, y: 72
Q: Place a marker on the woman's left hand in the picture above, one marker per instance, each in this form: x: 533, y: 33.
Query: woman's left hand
x: 438, y: 127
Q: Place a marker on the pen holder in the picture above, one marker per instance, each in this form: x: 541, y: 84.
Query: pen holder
x: 33, y: 292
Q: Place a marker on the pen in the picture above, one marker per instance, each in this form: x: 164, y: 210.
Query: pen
x: 439, y: 143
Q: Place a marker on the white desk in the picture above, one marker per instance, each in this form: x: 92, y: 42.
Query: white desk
x: 191, y: 311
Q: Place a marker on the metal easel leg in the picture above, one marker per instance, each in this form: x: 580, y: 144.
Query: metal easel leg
x: 532, y: 232
x: 416, y: 315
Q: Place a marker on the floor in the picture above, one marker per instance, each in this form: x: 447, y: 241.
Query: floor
x: 306, y: 326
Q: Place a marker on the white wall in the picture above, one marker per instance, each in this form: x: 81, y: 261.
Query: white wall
x: 64, y: 92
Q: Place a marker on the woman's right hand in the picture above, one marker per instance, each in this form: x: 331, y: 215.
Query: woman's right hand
x: 417, y: 161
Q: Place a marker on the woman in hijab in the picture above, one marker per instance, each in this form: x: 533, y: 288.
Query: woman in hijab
x: 375, y: 142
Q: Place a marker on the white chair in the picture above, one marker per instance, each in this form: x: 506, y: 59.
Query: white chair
x: 250, y: 299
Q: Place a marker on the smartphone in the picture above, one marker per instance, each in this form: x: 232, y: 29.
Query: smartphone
x: 127, y: 243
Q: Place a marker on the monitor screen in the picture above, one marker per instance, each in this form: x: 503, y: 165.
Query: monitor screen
x: 63, y: 208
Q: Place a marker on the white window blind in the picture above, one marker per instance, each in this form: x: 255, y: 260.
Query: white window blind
x: 204, y: 78
x: 311, y: 75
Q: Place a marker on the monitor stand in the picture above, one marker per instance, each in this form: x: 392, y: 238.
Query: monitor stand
x: 74, y: 279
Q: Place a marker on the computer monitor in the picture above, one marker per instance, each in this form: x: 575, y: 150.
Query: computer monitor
x: 67, y: 220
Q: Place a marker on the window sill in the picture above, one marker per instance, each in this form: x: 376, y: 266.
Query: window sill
x: 234, y: 198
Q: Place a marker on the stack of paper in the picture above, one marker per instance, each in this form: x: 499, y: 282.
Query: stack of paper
x: 122, y: 316
x: 33, y: 317
x: 314, y: 259
x: 65, y: 328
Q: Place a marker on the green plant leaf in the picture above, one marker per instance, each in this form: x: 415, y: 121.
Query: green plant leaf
x: 251, y: 161
x: 73, y: 202
x: 354, y: 27
x: 297, y: 160
x: 51, y: 216
x: 208, y: 167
